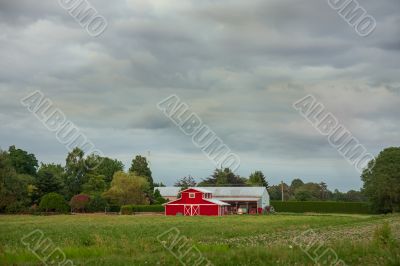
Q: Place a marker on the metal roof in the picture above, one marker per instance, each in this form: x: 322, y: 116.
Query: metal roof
x: 238, y: 199
x: 218, y: 191
x: 168, y: 191
x: 218, y: 202
x: 200, y: 189
x: 236, y: 191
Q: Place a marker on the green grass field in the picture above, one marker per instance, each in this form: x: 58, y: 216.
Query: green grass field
x: 231, y: 240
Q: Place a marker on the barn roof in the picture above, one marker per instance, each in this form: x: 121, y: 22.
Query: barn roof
x: 218, y: 202
x: 238, y: 199
x: 236, y: 191
x: 217, y: 191
x: 168, y: 191
x: 200, y: 189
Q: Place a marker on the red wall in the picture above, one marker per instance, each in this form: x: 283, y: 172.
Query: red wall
x: 173, y: 209
x: 177, y: 206
x: 208, y: 210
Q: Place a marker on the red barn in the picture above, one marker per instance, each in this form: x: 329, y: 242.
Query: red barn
x: 195, y: 201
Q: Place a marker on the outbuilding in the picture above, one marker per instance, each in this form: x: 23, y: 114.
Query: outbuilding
x: 196, y: 201
x: 241, y: 200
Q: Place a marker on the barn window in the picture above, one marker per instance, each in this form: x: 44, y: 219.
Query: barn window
x: 191, y: 195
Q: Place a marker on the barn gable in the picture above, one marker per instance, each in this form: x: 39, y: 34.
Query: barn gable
x: 195, y: 201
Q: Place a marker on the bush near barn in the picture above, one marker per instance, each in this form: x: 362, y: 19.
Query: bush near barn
x: 131, y: 209
x: 148, y: 208
x: 126, y: 209
x: 321, y: 207
x: 97, y: 204
x: 53, y: 202
x: 79, y: 202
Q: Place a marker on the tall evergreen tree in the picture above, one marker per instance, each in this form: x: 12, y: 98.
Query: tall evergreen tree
x: 223, y: 177
x: 141, y: 167
x: 185, y: 182
x: 258, y: 179
x: 75, y: 172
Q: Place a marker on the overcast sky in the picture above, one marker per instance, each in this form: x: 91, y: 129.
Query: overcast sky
x: 238, y: 64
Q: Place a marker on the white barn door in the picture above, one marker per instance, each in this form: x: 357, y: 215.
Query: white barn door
x: 195, y: 210
x: 187, y: 210
x: 191, y: 210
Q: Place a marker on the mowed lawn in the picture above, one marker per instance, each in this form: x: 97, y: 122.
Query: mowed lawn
x: 97, y: 239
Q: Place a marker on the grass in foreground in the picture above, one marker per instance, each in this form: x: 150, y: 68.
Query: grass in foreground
x: 230, y: 240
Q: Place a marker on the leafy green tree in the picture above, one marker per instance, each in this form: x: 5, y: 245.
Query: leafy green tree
x: 75, y: 172
x: 338, y: 196
x: 141, y: 167
x: 258, y: 179
x: 296, y: 183
x: 109, y: 167
x: 128, y: 188
x: 382, y: 181
x: 22, y: 161
x: 95, y: 184
x: 303, y: 194
x: 105, y: 166
x: 275, y: 192
x: 49, y: 179
x: 15, y: 189
x: 354, y: 196
x: 7, y: 174
x: 22, y: 193
x: 313, y: 191
x: 97, y: 204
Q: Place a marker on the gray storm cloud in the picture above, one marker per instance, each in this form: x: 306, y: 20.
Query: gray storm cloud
x: 239, y: 65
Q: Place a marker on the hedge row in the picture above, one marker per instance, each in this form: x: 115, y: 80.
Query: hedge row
x: 131, y: 209
x: 321, y: 207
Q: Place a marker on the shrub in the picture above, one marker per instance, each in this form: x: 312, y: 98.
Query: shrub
x: 148, y: 208
x: 16, y: 207
x: 321, y: 207
x: 53, y: 202
x: 79, y: 202
x: 131, y: 209
x: 97, y: 204
x: 127, y: 209
x: 113, y: 208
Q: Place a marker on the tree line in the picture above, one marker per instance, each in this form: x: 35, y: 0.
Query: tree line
x: 91, y: 182
x: 381, y: 184
x: 297, y: 190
